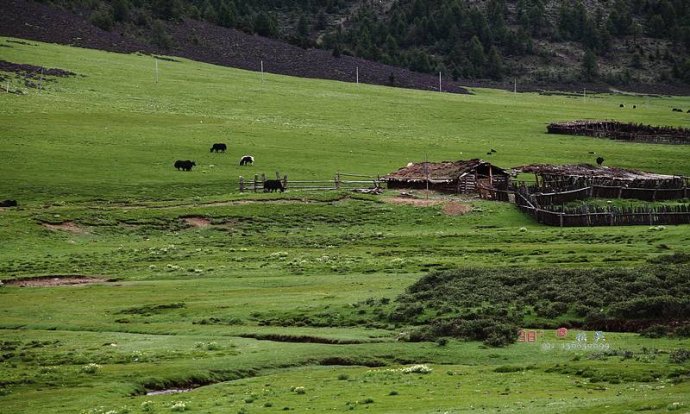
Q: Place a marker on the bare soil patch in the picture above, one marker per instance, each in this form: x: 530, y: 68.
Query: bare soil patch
x: 68, y: 226
x: 55, y: 280
x: 417, y: 202
x: 197, y: 221
x: 456, y: 209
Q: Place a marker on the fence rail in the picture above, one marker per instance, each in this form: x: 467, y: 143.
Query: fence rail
x: 257, y: 183
x: 601, y: 216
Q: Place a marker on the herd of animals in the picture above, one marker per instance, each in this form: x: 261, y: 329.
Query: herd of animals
x: 673, y: 110
x: 186, y: 165
x: 269, y: 185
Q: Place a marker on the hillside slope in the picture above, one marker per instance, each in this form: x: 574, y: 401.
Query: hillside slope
x: 548, y: 44
x: 206, y: 42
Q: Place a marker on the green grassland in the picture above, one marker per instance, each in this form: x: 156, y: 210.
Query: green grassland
x: 278, y: 302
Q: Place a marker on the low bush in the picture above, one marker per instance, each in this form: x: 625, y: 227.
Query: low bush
x: 453, y: 303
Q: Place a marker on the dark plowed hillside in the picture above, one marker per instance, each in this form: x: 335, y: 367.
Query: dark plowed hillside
x: 208, y: 43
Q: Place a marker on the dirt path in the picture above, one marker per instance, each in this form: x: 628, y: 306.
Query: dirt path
x: 55, y: 280
x: 68, y: 226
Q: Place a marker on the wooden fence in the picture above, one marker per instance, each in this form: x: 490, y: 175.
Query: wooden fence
x: 584, y: 216
x: 603, y: 191
x: 339, y: 181
x: 621, y: 131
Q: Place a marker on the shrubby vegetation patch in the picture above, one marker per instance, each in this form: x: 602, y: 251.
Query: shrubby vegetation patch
x: 490, y: 304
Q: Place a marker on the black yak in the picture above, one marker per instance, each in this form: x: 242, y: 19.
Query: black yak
x: 600, y: 160
x: 273, y: 185
x: 8, y: 203
x: 219, y: 147
x: 247, y: 160
x: 184, y: 165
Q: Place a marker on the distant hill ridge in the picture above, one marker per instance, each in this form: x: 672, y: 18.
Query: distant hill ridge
x: 542, y: 44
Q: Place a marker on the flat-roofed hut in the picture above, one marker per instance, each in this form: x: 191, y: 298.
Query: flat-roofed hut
x: 463, y: 177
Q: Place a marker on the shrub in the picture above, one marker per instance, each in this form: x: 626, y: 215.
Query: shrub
x: 655, y: 331
x: 179, y: 406
x: 90, y: 368
x: 417, y: 369
x: 103, y: 18
x: 679, y: 356
x: 682, y: 331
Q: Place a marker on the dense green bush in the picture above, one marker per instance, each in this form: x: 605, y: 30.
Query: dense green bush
x: 455, y: 303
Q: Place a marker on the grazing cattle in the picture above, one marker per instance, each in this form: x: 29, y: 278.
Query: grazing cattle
x: 8, y: 203
x: 185, y: 165
x: 600, y: 160
x: 220, y: 147
x: 634, y: 106
x: 493, y: 150
x: 247, y: 160
x: 677, y: 110
x: 273, y: 185
x: 621, y: 106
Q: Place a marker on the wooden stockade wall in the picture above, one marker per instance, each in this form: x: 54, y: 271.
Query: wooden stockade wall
x: 339, y: 181
x: 554, y: 215
x: 622, y: 131
x: 611, y: 192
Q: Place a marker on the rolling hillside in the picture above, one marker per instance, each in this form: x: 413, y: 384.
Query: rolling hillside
x: 629, y: 45
x: 131, y: 287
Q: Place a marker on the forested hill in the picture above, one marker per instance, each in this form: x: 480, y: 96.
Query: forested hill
x: 622, y: 43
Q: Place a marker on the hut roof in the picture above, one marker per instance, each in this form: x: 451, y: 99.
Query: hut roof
x: 589, y: 170
x: 440, y: 172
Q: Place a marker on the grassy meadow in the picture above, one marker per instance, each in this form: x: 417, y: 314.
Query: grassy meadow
x: 263, y: 302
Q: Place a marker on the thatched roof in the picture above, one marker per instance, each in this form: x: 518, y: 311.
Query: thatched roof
x: 440, y: 172
x: 591, y: 171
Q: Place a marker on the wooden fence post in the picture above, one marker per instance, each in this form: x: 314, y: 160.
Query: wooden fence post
x: 337, y: 180
x: 241, y: 184
x: 277, y: 176
x: 256, y: 182
x: 560, y: 218
x: 285, y: 182
x: 263, y: 180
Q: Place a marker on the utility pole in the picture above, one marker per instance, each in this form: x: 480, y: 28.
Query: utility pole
x: 439, y: 82
x: 156, y: 70
x: 426, y: 173
x: 262, y: 71
x: 357, y: 74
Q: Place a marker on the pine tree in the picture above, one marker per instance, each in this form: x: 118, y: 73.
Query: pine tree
x: 494, y: 65
x: 476, y: 56
x: 590, y: 69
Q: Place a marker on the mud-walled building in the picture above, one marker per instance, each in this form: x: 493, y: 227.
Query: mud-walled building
x: 461, y: 177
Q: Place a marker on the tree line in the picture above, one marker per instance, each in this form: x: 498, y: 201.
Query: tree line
x: 459, y: 38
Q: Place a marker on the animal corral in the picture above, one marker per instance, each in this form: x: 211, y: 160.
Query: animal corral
x: 585, y: 216
x: 606, y: 182
x: 463, y: 177
x: 557, y: 185
x: 622, y: 131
